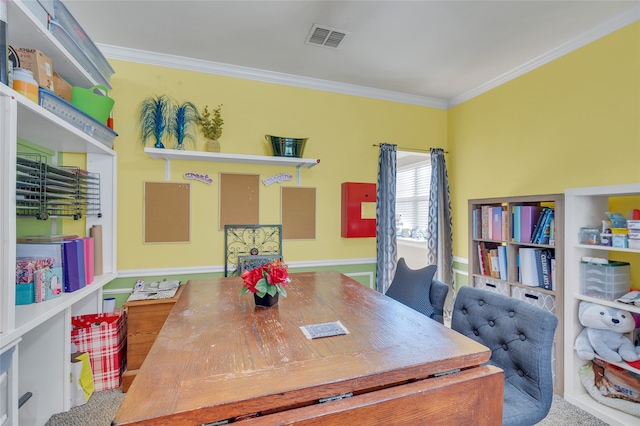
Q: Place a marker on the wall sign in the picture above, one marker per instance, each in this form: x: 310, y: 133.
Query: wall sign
x: 197, y: 176
x: 277, y: 178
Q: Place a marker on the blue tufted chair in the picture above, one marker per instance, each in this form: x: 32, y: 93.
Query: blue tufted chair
x: 520, y: 337
x: 417, y: 289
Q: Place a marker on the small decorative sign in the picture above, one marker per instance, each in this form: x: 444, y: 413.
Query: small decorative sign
x: 277, y: 178
x: 326, y: 329
x: 197, y: 176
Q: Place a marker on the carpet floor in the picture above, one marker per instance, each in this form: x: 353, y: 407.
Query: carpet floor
x: 102, y: 406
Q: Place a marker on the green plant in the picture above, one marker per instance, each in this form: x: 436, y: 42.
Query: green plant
x: 211, y: 123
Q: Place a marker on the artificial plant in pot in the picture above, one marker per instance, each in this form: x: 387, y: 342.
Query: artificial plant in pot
x: 211, y: 123
x: 155, y: 114
x: 182, y: 123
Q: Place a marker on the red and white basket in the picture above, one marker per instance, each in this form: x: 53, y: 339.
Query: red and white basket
x: 104, y: 337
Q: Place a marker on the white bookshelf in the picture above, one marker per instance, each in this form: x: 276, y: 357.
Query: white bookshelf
x: 587, y: 207
x: 41, y: 333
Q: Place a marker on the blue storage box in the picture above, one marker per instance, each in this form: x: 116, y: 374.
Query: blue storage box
x: 25, y: 294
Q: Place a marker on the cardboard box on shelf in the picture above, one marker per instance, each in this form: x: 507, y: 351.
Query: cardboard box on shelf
x: 61, y: 87
x: 36, y: 62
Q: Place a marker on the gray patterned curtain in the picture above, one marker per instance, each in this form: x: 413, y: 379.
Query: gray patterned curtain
x: 386, y: 246
x: 440, y: 238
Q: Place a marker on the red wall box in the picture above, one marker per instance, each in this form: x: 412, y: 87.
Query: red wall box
x: 353, y: 195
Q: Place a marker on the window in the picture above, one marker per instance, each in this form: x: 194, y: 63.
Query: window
x: 413, y: 182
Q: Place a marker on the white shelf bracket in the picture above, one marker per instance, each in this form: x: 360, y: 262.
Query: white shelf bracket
x: 298, y: 175
x: 167, y: 169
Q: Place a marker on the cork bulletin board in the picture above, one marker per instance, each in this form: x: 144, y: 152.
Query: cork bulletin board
x: 298, y: 213
x: 167, y: 212
x: 239, y: 199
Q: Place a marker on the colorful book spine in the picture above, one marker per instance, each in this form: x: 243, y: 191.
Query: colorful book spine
x: 546, y: 229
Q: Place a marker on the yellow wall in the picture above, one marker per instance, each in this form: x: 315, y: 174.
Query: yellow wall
x: 574, y: 122
x: 341, y: 131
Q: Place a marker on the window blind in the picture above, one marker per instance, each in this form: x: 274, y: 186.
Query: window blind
x: 413, y: 184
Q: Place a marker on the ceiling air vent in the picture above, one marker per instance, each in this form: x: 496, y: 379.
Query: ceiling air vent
x: 326, y: 36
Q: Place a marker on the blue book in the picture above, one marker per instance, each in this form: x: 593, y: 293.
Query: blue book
x: 516, y: 224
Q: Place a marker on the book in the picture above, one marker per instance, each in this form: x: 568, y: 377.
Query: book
x: 528, y: 267
x: 88, y: 259
x: 496, y: 228
x: 481, y: 264
x: 536, y: 228
x: 516, y: 224
x: 48, y: 284
x: 528, y: 218
x: 495, y: 264
x: 546, y: 229
x: 545, y: 269
x: 502, y: 262
x: 538, y: 236
x: 505, y: 224
x: 553, y: 273
x: 73, y: 265
x: 476, y: 221
x: 485, y: 222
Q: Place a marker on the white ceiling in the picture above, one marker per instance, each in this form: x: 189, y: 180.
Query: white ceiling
x: 443, y: 50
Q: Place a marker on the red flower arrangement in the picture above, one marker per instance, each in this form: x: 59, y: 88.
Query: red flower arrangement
x: 270, y: 278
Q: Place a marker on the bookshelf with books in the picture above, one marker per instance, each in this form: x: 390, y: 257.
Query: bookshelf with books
x: 516, y: 249
x: 588, y: 207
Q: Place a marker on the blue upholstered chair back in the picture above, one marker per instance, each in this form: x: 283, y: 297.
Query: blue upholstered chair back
x: 520, y: 337
x: 417, y: 289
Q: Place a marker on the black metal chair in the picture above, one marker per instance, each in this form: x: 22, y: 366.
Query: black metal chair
x: 249, y: 262
x: 417, y: 289
x: 520, y: 337
x: 250, y: 240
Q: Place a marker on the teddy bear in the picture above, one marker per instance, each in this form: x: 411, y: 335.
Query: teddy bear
x: 603, y: 333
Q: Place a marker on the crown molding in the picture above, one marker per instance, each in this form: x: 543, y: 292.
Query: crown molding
x: 209, y: 67
x: 617, y: 22
x: 172, y: 61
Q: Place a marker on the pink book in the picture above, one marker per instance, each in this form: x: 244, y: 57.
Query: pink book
x: 496, y: 219
x: 88, y: 259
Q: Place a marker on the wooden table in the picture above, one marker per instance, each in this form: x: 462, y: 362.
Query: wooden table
x: 219, y: 357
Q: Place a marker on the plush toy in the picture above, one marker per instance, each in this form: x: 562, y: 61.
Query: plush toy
x: 603, y: 333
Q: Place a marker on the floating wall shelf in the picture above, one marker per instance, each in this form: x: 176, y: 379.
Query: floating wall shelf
x: 216, y: 157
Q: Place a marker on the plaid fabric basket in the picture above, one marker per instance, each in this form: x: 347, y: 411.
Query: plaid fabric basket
x: 104, y: 338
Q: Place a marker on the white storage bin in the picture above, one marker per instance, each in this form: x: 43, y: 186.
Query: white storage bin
x: 535, y: 298
x: 492, y: 285
x: 605, y: 281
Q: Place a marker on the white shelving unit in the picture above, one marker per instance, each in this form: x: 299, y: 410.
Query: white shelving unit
x: 41, y: 333
x: 173, y: 154
x: 587, y: 207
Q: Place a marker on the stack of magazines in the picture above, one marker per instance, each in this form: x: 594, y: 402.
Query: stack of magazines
x: 164, y: 289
